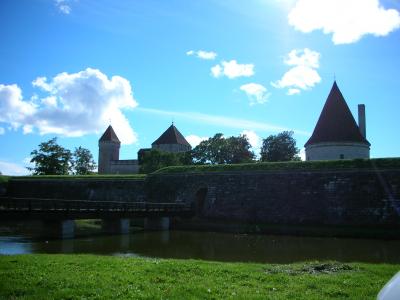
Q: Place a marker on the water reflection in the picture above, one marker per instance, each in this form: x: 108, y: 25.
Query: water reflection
x: 215, y: 246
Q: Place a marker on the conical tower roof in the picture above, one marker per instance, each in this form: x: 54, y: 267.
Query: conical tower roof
x: 171, y: 136
x: 336, y: 123
x: 109, y: 136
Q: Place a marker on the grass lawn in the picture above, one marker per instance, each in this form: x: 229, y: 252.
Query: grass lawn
x: 106, y: 277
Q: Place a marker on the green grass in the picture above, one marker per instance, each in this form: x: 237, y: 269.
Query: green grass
x: 105, y: 277
x: 4, y: 179
x: 79, y: 177
x: 380, y: 163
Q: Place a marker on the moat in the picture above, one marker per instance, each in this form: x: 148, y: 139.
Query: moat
x: 209, y: 246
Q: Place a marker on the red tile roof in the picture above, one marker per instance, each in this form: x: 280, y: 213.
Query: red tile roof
x: 109, y: 135
x: 336, y: 123
x: 171, y: 136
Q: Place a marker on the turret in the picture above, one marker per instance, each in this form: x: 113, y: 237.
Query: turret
x: 109, y: 145
x: 171, y: 141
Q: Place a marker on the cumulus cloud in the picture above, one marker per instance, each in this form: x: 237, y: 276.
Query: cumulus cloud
x: 63, y: 6
x: 257, y: 93
x: 232, y: 69
x: 303, y: 74
x: 194, y: 140
x: 8, y: 168
x: 2, y: 130
x: 74, y: 105
x: 253, y: 138
x: 207, y: 55
x: 347, y: 20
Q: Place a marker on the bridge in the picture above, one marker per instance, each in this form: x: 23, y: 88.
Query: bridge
x: 39, y: 208
x: 115, y: 214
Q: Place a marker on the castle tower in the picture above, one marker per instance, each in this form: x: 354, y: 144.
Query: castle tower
x: 337, y: 135
x: 171, y: 141
x: 108, y: 150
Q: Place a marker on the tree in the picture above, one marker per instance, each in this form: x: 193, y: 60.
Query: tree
x: 51, y: 159
x: 82, y: 162
x: 280, y: 147
x: 220, y: 150
x: 154, y: 159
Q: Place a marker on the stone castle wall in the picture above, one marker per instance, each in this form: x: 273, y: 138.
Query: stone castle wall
x: 126, y: 190
x: 127, y: 166
x: 331, y: 197
x: 175, y: 148
x: 365, y: 197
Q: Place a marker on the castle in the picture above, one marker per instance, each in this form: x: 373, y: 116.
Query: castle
x: 337, y: 135
x: 109, y: 163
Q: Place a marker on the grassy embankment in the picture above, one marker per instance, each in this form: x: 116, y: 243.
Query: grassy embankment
x: 104, y: 277
x: 379, y: 163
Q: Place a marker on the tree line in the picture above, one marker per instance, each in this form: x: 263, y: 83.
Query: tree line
x: 221, y: 150
x: 52, y: 159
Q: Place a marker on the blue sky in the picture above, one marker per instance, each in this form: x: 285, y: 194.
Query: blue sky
x: 69, y: 68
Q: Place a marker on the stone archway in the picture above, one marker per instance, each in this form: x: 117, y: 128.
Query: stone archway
x: 200, y: 200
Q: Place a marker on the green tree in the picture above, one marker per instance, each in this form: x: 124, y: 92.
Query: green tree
x: 220, y: 150
x: 153, y: 160
x: 82, y: 161
x: 51, y: 159
x: 280, y: 147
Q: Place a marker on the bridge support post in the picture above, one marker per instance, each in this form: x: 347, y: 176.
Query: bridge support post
x: 116, y: 225
x: 160, y: 223
x: 64, y: 229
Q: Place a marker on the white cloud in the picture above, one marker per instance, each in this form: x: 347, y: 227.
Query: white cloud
x: 256, y: 93
x: 302, y: 154
x: 222, y: 121
x: 306, y: 57
x: 293, y: 92
x: 207, y: 55
x: 194, y: 140
x: 13, y: 109
x: 253, y: 138
x: 303, y: 75
x: 63, y: 6
x: 216, y: 71
x: 2, y: 131
x: 232, y: 69
x: 347, y: 20
x: 7, y: 168
x: 77, y: 104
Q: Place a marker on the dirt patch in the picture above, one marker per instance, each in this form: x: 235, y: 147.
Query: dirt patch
x: 310, y: 268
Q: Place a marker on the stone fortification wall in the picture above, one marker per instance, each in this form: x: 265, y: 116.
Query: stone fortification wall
x: 129, y: 166
x: 345, y: 197
x: 330, y: 197
x: 130, y: 190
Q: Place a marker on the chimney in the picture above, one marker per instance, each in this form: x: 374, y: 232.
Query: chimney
x: 361, y: 119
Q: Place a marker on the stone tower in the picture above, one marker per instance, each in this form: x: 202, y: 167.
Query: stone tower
x: 171, y: 141
x: 108, y: 150
x: 337, y: 135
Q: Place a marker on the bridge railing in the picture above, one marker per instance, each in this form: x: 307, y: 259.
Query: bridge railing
x: 39, y: 204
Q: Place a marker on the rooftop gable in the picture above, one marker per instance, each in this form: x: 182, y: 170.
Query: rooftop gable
x: 109, y: 136
x: 171, y: 136
x: 336, y: 123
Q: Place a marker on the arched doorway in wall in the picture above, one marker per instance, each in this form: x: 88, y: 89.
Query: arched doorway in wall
x: 200, y: 200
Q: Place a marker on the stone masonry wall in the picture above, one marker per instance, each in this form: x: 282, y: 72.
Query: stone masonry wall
x: 365, y: 197
x: 126, y: 190
x: 345, y: 197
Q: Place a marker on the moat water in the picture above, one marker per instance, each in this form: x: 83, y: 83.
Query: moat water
x: 208, y: 246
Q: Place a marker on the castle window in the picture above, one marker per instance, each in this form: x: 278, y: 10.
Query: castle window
x: 341, y: 156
